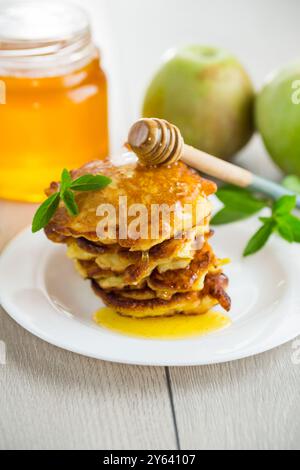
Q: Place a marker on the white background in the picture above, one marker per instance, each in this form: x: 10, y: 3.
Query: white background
x: 263, y: 34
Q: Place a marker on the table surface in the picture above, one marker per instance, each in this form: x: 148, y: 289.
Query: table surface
x: 54, y: 399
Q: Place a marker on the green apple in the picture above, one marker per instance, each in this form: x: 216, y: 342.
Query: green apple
x: 206, y: 93
x: 277, y: 114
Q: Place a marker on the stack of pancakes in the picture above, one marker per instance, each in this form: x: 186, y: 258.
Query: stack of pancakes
x: 174, y: 272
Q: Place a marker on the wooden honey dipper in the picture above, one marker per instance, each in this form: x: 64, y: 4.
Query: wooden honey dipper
x: 158, y: 142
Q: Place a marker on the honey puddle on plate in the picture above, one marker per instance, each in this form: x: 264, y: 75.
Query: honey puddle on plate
x: 175, y: 327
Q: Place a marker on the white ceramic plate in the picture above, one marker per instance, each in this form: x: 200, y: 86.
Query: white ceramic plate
x: 40, y: 289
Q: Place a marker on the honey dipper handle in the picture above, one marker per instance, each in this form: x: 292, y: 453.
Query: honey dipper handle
x: 157, y: 142
x: 233, y: 174
x: 216, y: 167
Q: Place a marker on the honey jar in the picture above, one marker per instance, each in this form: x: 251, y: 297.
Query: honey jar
x: 53, y: 103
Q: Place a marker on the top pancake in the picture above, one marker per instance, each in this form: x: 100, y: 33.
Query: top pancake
x: 176, y: 184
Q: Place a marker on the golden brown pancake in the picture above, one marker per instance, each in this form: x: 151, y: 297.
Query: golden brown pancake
x: 174, y: 272
x: 190, y: 278
x: 181, y: 275
x: 173, y: 185
x: 189, y: 303
x: 133, y: 267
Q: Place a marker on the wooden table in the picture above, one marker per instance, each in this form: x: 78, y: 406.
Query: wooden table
x: 54, y: 399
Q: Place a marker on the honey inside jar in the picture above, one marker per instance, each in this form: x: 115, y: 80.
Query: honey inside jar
x: 55, y: 109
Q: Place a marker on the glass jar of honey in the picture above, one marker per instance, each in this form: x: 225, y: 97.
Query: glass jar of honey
x: 53, y: 96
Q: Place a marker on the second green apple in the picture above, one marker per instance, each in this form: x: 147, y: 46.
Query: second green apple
x: 277, y: 114
x: 206, y: 93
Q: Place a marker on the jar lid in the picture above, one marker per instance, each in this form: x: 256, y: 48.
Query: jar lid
x: 36, y: 35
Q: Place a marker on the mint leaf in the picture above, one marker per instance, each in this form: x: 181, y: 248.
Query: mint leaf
x: 227, y: 216
x: 90, y: 183
x: 239, y: 204
x: 66, y: 180
x: 284, y: 205
x: 260, y: 238
x: 292, y: 183
x: 70, y: 203
x: 45, y: 212
x: 294, y: 224
x: 285, y: 231
x: 265, y: 219
x: 85, y: 183
x: 66, y: 194
x: 240, y: 200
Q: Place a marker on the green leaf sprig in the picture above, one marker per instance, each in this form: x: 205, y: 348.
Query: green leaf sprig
x: 66, y: 194
x: 240, y: 204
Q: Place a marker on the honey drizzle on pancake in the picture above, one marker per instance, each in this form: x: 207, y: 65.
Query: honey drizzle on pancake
x: 174, y: 327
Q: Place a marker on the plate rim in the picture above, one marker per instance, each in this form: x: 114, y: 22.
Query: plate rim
x: 22, y: 320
